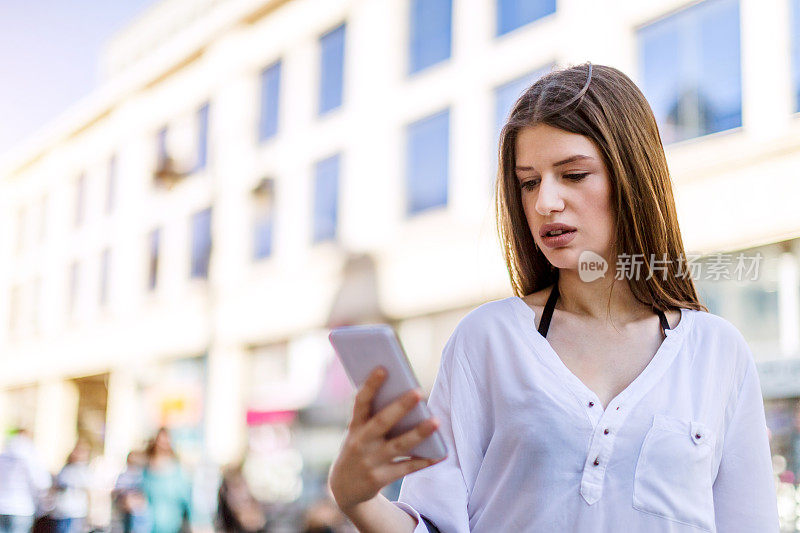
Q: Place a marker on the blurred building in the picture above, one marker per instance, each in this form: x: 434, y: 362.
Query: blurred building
x: 252, y: 173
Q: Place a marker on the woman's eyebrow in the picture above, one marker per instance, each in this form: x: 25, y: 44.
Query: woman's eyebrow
x: 571, y: 159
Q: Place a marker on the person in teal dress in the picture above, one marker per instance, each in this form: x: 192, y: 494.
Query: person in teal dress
x: 166, y: 487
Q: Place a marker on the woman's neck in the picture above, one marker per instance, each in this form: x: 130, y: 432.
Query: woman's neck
x: 597, y: 301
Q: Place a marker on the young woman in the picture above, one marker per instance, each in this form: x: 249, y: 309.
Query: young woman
x: 166, y: 487
x: 580, y: 404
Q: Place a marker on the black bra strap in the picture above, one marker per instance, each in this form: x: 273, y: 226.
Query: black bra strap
x: 664, y: 322
x: 547, y: 314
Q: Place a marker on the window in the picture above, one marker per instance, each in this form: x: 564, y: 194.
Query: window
x: 263, y: 218
x: 201, y: 243
x: 111, y: 187
x: 270, y: 90
x: 506, y: 96
x: 512, y: 14
x: 80, y: 199
x: 202, y: 138
x: 747, y: 298
x: 690, y: 70
x: 161, y: 146
x: 430, y: 33
x: 154, y: 244
x: 326, y: 185
x: 262, y: 233
x: 428, y: 154
x: 796, y: 52
x: 105, y: 265
x: 331, y: 69
x: 74, y: 281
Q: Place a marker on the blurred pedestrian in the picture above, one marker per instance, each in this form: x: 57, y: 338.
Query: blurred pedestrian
x: 129, y: 501
x: 23, y: 481
x: 238, y: 510
x: 72, y: 486
x: 166, y: 487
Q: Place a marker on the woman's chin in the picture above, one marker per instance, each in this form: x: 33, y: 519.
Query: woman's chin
x: 564, y: 261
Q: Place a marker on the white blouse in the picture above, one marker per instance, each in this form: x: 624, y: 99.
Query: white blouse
x: 530, y: 448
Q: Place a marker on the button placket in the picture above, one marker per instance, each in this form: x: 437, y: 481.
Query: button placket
x: 594, y: 412
x: 599, y: 451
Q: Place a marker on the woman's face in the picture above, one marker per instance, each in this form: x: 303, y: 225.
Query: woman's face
x: 163, y: 441
x: 563, y: 180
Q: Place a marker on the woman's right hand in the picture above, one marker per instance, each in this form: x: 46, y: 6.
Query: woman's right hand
x: 365, y: 462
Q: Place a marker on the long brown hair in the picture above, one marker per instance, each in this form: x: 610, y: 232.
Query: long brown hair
x: 604, y: 105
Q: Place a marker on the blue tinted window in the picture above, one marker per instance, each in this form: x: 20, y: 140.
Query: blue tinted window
x: 161, y: 146
x: 796, y: 53
x: 74, y: 281
x: 428, y: 153
x: 263, y: 221
x: 154, y: 245
x: 105, y: 266
x: 430, y: 33
x: 262, y: 235
x: 331, y: 69
x: 201, y: 243
x: 511, y: 14
x: 326, y: 198
x: 691, y: 71
x: 270, y: 91
x: 507, y: 94
x: 202, y: 137
x: 111, y: 187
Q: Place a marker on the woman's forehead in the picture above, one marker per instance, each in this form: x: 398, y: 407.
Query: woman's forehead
x: 546, y: 146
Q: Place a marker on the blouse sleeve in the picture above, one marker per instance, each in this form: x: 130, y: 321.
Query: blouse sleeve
x: 744, y: 490
x: 439, y: 493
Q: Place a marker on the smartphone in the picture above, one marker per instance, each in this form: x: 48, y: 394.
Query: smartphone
x: 361, y: 349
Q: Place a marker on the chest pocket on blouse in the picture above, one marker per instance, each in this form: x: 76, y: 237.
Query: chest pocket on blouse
x: 673, y: 477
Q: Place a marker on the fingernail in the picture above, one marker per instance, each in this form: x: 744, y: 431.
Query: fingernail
x: 380, y: 372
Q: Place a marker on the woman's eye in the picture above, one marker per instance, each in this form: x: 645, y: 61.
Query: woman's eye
x: 576, y: 177
x: 531, y: 184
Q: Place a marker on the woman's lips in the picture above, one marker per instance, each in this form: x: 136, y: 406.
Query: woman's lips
x: 559, y: 240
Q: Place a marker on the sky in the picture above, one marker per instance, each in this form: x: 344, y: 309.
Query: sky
x: 49, y: 57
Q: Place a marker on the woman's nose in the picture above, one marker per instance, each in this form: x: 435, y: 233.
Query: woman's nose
x: 549, y: 198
